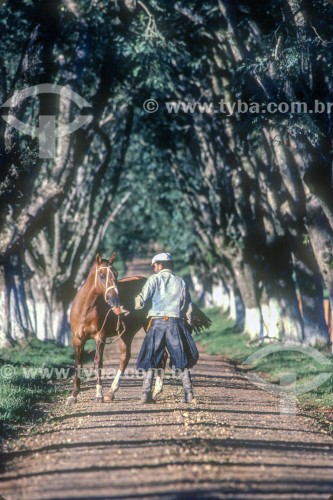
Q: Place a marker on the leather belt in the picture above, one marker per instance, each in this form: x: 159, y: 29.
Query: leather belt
x: 165, y: 318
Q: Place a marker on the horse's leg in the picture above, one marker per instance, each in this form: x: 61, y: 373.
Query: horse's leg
x: 125, y: 355
x: 78, y: 348
x: 98, y: 361
x: 160, y: 375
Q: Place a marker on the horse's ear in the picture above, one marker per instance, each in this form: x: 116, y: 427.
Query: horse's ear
x: 98, y: 259
x: 112, y: 258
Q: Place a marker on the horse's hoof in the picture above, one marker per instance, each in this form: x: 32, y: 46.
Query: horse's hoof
x: 99, y: 399
x: 71, y: 400
x: 109, y: 397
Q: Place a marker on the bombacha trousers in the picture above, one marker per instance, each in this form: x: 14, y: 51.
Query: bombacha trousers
x: 172, y: 334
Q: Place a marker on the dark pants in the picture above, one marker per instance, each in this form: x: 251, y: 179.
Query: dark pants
x: 173, y: 335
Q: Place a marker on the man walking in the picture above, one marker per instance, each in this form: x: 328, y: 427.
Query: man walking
x: 170, y: 325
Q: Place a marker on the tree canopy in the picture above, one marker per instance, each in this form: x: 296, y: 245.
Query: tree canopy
x: 233, y: 172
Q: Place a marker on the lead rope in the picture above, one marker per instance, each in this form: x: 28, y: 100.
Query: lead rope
x: 120, y: 322
x: 119, y: 335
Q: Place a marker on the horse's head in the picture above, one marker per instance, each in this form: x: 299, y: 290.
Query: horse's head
x: 106, y: 282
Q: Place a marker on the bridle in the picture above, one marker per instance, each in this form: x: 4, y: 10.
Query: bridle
x: 108, y: 272
x: 120, y: 322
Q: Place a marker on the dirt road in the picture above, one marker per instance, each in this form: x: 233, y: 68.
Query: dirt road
x: 231, y: 443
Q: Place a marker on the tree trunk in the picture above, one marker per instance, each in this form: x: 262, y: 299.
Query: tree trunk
x: 280, y: 288
x: 48, y: 313
x: 311, y: 295
x: 5, y: 340
x: 321, y: 239
x: 248, y: 288
x: 271, y: 317
x: 220, y: 295
x: 16, y: 324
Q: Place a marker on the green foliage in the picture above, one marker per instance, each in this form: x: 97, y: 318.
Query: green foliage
x: 306, y: 239
x: 22, y: 385
x: 36, y: 352
x: 221, y: 338
x: 155, y: 211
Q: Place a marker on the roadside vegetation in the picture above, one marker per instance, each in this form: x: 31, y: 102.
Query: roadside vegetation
x: 223, y: 339
x: 27, y: 375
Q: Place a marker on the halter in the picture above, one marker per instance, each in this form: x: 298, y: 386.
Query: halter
x: 107, y: 288
x: 120, y: 322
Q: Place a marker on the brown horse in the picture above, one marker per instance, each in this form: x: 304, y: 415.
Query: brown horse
x: 99, y: 311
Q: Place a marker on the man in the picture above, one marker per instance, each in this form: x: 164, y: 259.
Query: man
x: 170, y: 325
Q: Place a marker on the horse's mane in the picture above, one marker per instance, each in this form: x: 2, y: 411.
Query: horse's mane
x: 131, y: 278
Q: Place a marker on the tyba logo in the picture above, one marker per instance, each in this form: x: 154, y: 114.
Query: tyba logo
x: 48, y: 131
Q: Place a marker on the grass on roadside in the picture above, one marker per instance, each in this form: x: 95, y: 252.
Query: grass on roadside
x: 222, y: 339
x: 26, y: 379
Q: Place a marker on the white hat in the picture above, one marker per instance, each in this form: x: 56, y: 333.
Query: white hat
x: 161, y: 257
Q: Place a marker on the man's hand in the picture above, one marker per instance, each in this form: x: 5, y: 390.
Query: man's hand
x: 138, y: 302
x: 120, y: 310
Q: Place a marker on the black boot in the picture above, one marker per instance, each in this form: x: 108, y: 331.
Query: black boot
x: 187, y: 387
x: 147, y: 386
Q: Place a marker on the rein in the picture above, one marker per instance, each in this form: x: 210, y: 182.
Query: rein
x: 119, y: 335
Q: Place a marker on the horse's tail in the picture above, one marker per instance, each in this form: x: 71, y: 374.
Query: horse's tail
x: 199, y: 319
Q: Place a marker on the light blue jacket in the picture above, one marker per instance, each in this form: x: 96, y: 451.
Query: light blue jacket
x: 170, y: 296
